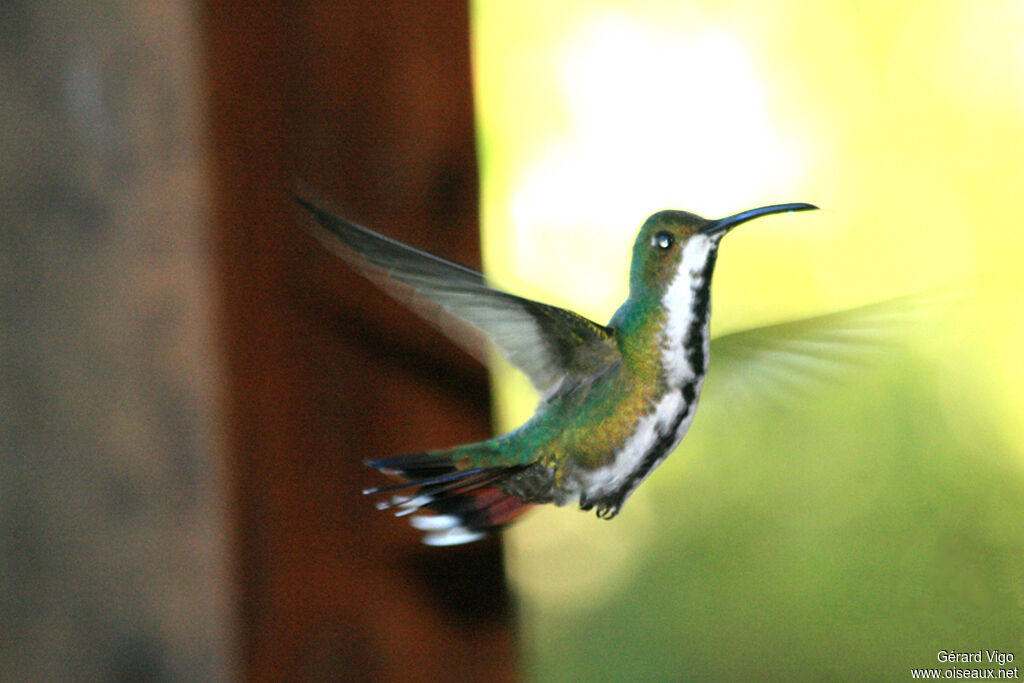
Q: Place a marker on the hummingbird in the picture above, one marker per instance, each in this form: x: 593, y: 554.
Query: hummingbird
x: 615, y: 399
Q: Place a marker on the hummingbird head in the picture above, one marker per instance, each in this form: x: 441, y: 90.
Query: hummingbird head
x: 671, y: 242
x: 670, y: 287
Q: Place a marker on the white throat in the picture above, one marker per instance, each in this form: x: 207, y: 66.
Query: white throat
x: 682, y: 302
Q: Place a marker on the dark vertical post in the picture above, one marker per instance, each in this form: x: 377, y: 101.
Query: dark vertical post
x: 112, y: 516
x: 370, y: 104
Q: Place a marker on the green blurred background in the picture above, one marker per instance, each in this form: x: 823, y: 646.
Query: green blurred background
x: 854, y: 531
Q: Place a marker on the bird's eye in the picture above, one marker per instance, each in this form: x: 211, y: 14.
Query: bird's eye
x: 663, y: 240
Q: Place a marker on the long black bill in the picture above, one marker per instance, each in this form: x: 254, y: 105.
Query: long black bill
x: 726, y: 224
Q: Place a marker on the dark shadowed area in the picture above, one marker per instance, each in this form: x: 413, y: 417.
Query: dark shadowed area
x: 190, y: 383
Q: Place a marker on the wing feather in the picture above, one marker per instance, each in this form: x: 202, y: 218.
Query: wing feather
x: 779, y: 361
x: 549, y: 344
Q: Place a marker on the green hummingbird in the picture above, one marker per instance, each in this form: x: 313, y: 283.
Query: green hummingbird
x: 615, y: 399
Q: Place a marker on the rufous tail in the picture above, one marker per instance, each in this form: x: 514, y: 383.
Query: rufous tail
x: 467, y: 504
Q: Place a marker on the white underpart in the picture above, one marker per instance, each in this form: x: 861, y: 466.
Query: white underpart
x: 678, y: 302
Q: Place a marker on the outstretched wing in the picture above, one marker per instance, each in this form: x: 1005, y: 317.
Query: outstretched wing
x: 778, y: 361
x: 549, y: 344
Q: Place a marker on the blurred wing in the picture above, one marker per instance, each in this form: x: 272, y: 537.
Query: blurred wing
x: 776, y: 362
x: 549, y: 344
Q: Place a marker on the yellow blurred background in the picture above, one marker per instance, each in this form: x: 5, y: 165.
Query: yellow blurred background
x: 849, y: 536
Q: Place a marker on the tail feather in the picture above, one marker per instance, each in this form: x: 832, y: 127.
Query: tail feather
x: 415, y: 464
x: 427, y: 481
x: 467, y: 504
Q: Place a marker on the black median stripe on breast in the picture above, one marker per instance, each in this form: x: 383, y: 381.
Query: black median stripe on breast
x: 693, y: 342
x: 689, y: 393
x: 665, y: 441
